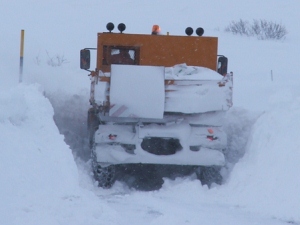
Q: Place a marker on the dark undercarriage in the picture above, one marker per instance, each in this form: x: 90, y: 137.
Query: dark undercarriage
x: 148, y: 177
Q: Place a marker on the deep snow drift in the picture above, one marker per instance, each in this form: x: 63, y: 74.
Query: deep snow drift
x: 39, y: 178
x: 43, y: 124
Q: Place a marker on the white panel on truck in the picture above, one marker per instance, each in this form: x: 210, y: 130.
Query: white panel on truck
x: 137, y: 91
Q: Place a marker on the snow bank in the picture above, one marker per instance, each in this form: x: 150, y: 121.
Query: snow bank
x: 33, y: 137
x: 267, y: 178
x: 70, y: 116
x: 39, y: 178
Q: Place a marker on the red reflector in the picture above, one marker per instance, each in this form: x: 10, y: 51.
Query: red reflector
x: 112, y: 136
x: 211, y: 138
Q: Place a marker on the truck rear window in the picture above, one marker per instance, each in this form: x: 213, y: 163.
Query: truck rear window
x: 120, y: 55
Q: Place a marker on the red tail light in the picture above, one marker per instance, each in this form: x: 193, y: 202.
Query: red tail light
x: 112, y: 136
x: 211, y: 137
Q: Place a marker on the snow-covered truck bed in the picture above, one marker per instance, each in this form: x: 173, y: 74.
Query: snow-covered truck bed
x: 163, y: 108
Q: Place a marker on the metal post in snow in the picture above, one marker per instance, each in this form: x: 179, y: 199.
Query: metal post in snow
x: 21, y: 56
x: 271, y: 75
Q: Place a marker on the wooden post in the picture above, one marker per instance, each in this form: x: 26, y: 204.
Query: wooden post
x: 21, y: 56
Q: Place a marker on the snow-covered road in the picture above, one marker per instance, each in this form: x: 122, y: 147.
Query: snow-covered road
x: 44, y: 170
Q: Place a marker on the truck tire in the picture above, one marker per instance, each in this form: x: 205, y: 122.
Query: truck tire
x: 105, y: 176
x: 209, y: 175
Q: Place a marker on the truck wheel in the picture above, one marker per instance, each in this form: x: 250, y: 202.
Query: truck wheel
x: 105, y: 175
x: 209, y: 175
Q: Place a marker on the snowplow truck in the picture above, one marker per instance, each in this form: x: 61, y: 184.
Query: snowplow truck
x: 157, y: 106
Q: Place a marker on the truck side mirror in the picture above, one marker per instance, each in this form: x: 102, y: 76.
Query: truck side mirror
x: 222, y: 65
x: 85, y: 59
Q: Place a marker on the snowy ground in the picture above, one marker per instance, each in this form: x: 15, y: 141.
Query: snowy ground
x: 43, y: 120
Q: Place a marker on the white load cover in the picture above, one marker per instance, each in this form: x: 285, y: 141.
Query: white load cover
x: 197, y: 96
x: 137, y: 91
x: 196, y: 90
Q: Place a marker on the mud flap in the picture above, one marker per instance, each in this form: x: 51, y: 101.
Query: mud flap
x: 144, y: 177
x: 209, y: 175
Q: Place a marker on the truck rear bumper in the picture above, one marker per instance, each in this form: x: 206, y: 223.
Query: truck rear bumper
x: 115, y: 154
x: 198, y: 145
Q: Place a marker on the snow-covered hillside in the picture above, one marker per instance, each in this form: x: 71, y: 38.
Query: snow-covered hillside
x: 44, y: 168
